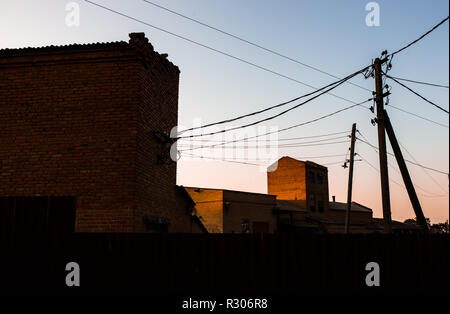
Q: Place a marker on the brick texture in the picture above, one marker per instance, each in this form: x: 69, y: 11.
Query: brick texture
x: 79, y: 120
x: 223, y: 211
x: 288, y: 181
x: 209, y: 207
x: 252, y: 207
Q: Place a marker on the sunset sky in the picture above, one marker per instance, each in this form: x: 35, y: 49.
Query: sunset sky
x: 329, y: 35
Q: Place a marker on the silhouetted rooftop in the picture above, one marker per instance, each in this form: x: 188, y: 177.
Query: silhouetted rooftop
x: 137, y: 41
x: 354, y: 208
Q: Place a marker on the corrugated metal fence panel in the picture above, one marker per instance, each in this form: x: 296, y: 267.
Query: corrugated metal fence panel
x: 222, y: 263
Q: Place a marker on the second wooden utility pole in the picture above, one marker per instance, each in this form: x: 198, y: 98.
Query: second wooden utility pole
x: 350, y: 179
x: 382, y: 147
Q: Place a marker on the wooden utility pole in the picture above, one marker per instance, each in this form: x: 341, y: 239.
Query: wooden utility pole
x: 405, y: 174
x: 384, y: 175
x: 350, y: 179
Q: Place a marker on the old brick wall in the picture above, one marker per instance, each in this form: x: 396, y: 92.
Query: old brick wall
x: 253, y: 207
x: 78, y: 120
x: 319, y: 190
x: 68, y: 128
x: 156, y: 193
x: 223, y: 211
x: 209, y: 207
x: 287, y: 182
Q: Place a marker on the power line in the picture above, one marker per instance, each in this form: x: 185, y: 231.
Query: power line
x: 418, y: 116
x: 431, y: 194
x: 298, y: 143
x: 376, y: 151
x: 218, y: 159
x: 251, y: 43
x: 419, y: 82
x: 234, y: 57
x: 375, y: 168
x: 294, y: 145
x: 409, y: 161
x: 243, y: 162
x: 398, y: 171
x: 413, y: 163
x: 268, y: 108
x: 240, y: 59
x: 276, y: 115
x: 332, y: 163
x: 211, y: 48
x: 295, y: 157
x: 417, y: 94
x: 394, y: 181
x: 424, y: 170
x: 287, y: 128
x: 392, y: 55
x: 317, y: 157
x: 420, y: 38
x: 278, y: 140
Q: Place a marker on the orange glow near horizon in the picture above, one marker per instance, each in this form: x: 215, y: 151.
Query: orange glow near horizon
x: 366, y: 185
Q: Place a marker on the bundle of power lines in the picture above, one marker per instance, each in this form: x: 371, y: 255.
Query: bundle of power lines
x: 318, y: 92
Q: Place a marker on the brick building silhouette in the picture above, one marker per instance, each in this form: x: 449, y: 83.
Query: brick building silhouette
x: 226, y: 211
x: 297, y: 201
x: 303, y: 200
x: 84, y: 138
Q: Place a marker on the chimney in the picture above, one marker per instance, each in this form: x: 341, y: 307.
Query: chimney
x: 334, y: 199
x: 135, y: 37
x: 139, y: 41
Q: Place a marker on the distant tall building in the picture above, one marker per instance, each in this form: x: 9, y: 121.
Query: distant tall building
x: 303, y: 200
x: 300, y: 180
x: 84, y: 139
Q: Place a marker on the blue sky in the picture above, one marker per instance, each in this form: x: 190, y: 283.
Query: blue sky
x: 330, y: 35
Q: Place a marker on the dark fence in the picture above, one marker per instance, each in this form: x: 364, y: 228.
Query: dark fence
x: 287, y: 262
x: 37, y: 214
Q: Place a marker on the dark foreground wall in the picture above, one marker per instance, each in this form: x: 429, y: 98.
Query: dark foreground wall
x: 222, y: 263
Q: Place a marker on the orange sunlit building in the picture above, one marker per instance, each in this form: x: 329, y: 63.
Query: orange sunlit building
x: 298, y: 200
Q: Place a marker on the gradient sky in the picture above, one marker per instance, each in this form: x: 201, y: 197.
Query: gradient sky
x: 331, y: 35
